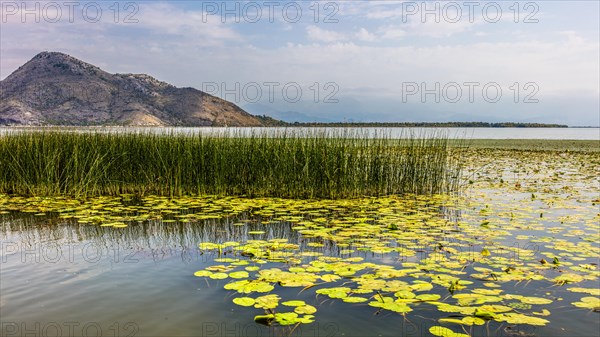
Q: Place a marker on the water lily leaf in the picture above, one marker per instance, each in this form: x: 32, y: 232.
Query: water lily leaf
x: 219, y: 268
x: 208, y: 246
x: 450, y: 320
x: 405, y: 294
x: 421, y: 286
x: 445, y: 332
x: 337, y: 292
x: 487, y: 291
x: 491, y: 285
x: 218, y: 276
x: 267, y: 302
x: 485, y: 314
x: 469, y: 320
x: 354, y: 299
x: 495, y: 308
x: 330, y: 277
x: 391, y: 306
x: 473, y: 321
x: 244, y: 301
x: 264, y: 319
x: 516, y: 318
x: 306, y: 319
x: 568, y: 278
x: 588, y: 302
x: 294, y: 303
x: 252, y: 268
x: 286, y: 318
x: 305, y: 310
x: 544, y: 312
x: 246, y: 287
x: 428, y: 297
x: 203, y: 273
x: 591, y: 291
x: 239, y: 274
x: 535, y: 300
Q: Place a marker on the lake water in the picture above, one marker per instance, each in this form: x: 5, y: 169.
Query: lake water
x: 59, y: 276
x: 520, y: 240
x: 461, y: 133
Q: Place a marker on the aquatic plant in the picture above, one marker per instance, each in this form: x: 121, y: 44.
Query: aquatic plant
x: 307, y: 164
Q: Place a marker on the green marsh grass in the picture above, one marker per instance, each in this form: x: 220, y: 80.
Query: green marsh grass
x: 310, y: 164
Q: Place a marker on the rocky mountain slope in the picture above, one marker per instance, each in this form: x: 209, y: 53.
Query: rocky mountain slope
x: 57, y: 89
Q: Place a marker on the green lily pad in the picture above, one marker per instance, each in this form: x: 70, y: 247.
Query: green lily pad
x: 239, y: 274
x: 294, y: 303
x: 218, y: 276
x: 445, y: 332
x: 588, y: 302
x: 305, y: 310
x: 267, y: 301
x: 203, y: 273
x: 244, y: 301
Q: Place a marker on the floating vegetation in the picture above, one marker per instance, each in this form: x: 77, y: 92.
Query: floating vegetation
x: 287, y: 164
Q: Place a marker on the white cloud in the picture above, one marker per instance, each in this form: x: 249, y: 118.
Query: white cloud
x: 392, y: 32
x: 315, y: 33
x: 167, y: 18
x: 174, y: 45
x: 364, y: 35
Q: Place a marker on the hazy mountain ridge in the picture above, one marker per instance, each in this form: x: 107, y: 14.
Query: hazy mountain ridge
x: 58, y: 89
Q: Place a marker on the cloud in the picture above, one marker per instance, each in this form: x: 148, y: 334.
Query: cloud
x: 364, y: 35
x: 315, y: 33
x: 364, y: 57
x: 169, y: 19
x: 392, y: 32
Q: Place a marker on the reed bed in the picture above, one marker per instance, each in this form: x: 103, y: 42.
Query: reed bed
x: 290, y: 164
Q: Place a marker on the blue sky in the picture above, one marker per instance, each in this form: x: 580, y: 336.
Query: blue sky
x: 339, y: 60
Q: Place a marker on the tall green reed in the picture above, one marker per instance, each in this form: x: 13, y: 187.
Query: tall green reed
x: 291, y: 163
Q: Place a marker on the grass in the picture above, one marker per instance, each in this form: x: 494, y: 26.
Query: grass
x: 288, y: 164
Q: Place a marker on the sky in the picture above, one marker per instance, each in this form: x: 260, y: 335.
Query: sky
x: 493, y: 61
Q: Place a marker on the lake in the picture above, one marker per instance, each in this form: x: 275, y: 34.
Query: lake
x: 515, y: 255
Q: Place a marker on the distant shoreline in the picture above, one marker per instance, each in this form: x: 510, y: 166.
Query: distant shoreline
x: 268, y: 121
x: 274, y: 123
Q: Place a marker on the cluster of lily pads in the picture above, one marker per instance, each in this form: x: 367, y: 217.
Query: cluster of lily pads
x: 456, y: 265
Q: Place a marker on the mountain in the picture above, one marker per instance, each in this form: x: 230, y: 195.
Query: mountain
x: 58, y: 89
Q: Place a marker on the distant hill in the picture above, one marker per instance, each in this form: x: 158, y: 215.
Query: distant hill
x: 57, y: 89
